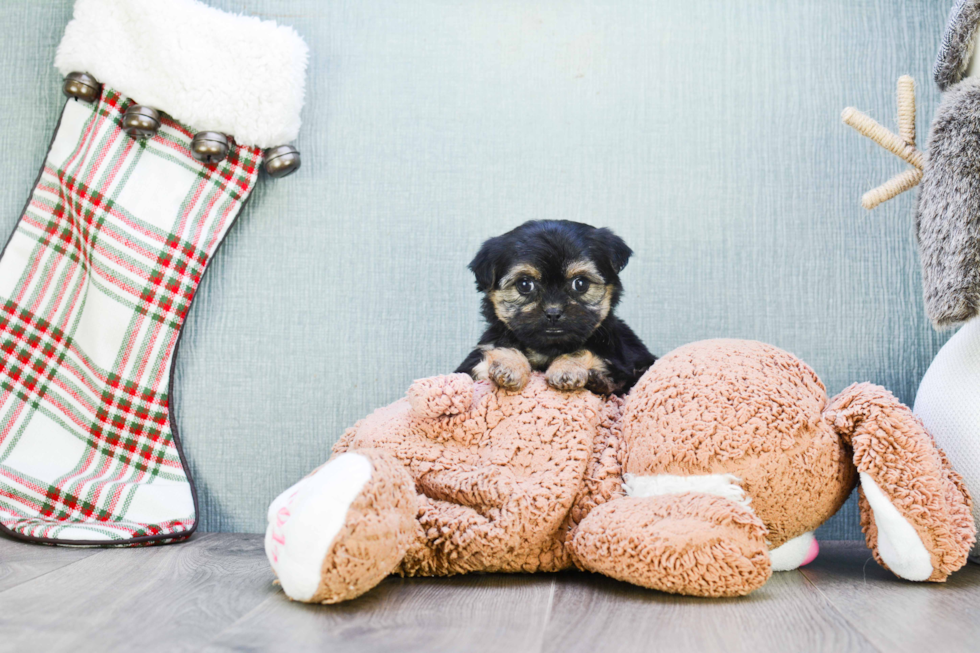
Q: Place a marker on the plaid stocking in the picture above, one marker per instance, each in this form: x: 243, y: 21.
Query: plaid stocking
x: 96, y: 281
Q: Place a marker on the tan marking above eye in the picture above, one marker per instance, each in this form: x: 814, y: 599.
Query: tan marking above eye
x: 518, y: 271
x: 584, y: 268
x: 509, y: 295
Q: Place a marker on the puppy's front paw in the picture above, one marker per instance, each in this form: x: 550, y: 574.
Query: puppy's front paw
x: 601, y: 383
x: 567, y: 373
x: 508, y: 368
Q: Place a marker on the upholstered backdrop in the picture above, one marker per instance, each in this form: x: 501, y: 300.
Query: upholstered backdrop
x: 706, y: 133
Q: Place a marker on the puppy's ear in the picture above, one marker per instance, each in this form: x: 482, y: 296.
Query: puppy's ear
x: 612, y: 247
x: 484, y: 265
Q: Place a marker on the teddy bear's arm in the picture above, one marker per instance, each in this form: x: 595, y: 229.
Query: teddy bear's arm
x: 470, y: 517
x: 461, y: 530
x: 480, y: 488
x: 479, y: 518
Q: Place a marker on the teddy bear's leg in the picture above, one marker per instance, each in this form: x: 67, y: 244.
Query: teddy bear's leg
x: 691, y: 543
x: 915, y: 510
x: 338, y: 532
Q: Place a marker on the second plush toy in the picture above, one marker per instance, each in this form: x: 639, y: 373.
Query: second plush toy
x: 712, y: 473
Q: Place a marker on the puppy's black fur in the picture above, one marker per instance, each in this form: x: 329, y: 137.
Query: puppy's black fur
x: 550, y: 289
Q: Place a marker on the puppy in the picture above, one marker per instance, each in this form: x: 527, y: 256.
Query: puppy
x: 549, y: 290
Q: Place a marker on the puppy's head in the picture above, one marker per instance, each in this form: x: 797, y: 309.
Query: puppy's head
x: 551, y: 282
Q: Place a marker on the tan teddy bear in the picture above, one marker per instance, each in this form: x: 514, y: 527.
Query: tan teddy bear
x: 712, y: 473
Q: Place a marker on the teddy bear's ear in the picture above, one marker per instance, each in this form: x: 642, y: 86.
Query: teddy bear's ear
x: 439, y: 396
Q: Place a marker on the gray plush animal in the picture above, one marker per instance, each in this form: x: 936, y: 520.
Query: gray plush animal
x: 956, y: 50
x: 948, y: 220
x: 948, y: 217
x: 948, y: 230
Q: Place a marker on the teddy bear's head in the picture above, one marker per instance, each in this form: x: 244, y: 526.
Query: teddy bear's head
x: 728, y: 408
x: 452, y: 419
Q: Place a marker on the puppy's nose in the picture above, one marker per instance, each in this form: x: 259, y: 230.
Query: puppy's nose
x: 553, y: 313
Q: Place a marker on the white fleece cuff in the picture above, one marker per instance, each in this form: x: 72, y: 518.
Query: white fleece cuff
x: 209, y: 70
x: 726, y: 486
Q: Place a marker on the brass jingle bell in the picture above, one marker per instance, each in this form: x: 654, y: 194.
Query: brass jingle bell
x: 82, y: 86
x: 140, y: 121
x: 281, y: 161
x: 209, y: 147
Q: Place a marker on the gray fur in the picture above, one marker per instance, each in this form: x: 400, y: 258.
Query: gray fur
x: 957, y: 44
x: 948, y: 218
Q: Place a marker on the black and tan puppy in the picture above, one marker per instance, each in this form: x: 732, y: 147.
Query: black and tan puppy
x: 550, y: 288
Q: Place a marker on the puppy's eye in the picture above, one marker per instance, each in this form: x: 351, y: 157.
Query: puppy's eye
x: 525, y: 286
x: 580, y: 285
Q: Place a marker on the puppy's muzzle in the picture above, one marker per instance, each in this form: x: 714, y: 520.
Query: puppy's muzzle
x: 554, y: 313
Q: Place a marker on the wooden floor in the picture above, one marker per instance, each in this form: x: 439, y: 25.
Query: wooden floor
x: 215, y: 593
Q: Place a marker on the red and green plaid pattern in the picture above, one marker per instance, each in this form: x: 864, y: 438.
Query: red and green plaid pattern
x: 95, y: 284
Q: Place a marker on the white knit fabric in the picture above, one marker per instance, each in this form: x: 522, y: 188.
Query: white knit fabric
x: 948, y: 403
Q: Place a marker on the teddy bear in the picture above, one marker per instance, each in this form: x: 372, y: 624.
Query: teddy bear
x: 712, y: 473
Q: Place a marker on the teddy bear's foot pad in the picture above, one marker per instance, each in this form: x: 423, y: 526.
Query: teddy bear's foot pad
x: 795, y: 553
x: 915, y: 509
x: 695, y: 544
x: 305, y: 519
x: 338, y: 532
x: 899, y: 545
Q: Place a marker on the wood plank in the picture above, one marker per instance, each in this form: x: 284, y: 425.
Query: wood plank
x: 216, y: 591
x: 594, y: 613
x: 21, y: 561
x: 492, y: 612
x: 157, y: 598
x: 897, y: 615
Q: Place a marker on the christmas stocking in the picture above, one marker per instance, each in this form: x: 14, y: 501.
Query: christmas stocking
x: 154, y: 156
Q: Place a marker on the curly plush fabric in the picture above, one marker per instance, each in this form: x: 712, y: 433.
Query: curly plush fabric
x: 341, y: 544
x: 747, y: 409
x: 893, y: 448
x: 728, y: 449
x: 683, y: 544
x: 376, y: 534
x: 502, y: 478
x: 604, y: 473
